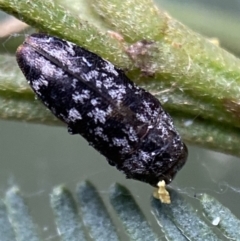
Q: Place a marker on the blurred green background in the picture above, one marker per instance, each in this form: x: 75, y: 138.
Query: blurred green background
x: 38, y: 157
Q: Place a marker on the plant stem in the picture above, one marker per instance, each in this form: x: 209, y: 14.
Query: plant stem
x: 195, y: 80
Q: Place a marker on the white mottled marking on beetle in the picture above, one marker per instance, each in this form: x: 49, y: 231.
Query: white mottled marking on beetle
x: 74, y: 115
x: 94, y: 102
x: 37, y: 84
x: 142, y: 118
x: 69, y: 48
x: 108, y: 82
x: 122, y: 142
x: 80, y: 97
x: 130, y: 86
x: 132, y: 134
x: 109, y: 67
x: 98, y: 115
x: 109, y: 110
x: 117, y: 94
x: 144, y: 156
x: 86, y: 77
x: 87, y: 63
x: 74, y: 83
x: 98, y: 83
x: 93, y: 74
x: 99, y: 132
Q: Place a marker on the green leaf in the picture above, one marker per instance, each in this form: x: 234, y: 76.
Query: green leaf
x: 66, y: 213
x: 228, y: 223
x: 95, y: 214
x: 20, y: 218
x: 182, y: 215
x: 178, y: 221
x: 131, y: 216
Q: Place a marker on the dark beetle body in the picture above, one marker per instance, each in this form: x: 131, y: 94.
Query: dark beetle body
x: 122, y: 121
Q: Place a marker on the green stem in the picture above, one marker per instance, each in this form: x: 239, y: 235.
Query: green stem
x: 194, y: 79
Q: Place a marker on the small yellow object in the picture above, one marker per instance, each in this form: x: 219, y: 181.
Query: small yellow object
x: 161, y: 193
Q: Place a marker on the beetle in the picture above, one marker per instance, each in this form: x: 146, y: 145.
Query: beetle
x: 124, y: 122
